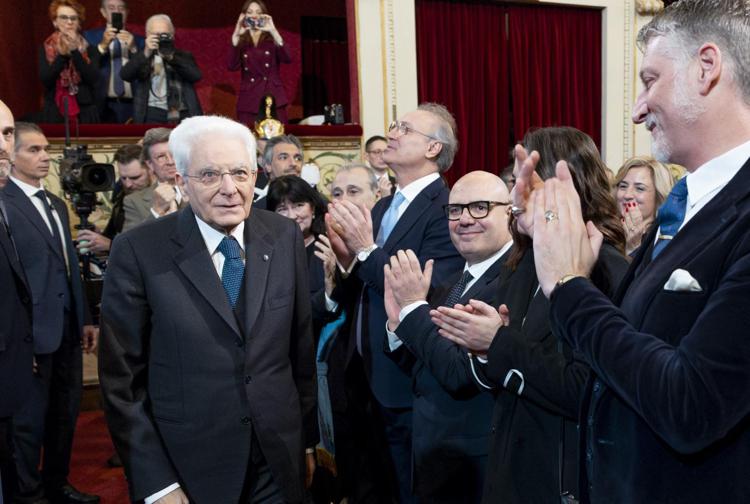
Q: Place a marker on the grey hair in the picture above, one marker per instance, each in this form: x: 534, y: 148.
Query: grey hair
x: 193, y: 130
x: 273, y: 142
x: 688, y: 24
x: 163, y: 17
x: 445, y: 133
x: 152, y: 137
x: 372, y: 178
x: 104, y: 3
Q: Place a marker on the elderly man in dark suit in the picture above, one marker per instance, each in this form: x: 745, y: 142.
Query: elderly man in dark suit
x: 61, y: 320
x: 207, y: 363
x: 162, y: 77
x: 116, y: 46
x: 420, y: 147
x: 667, y: 415
x: 16, y: 337
x: 451, y: 432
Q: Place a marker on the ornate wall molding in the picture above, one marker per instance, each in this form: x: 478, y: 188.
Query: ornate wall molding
x: 649, y: 7
x: 630, y: 79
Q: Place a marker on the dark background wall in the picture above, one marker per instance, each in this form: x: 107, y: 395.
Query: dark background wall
x: 24, y: 24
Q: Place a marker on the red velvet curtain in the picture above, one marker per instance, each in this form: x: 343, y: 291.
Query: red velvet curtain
x: 325, y: 64
x: 555, y: 68
x: 462, y: 63
x: 502, y: 69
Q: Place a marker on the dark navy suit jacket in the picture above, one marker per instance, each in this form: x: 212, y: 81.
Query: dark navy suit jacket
x: 667, y: 417
x: 422, y: 228
x: 450, y: 431
x: 45, y: 268
x: 16, y: 338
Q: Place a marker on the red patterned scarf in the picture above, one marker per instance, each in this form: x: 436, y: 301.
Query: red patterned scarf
x: 69, y: 78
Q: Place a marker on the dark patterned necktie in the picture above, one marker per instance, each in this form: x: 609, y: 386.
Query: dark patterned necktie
x: 118, y: 86
x: 458, y: 290
x: 52, y: 222
x: 233, y: 270
x: 671, y: 214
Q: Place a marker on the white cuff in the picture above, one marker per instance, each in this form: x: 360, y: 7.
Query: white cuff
x: 331, y: 305
x: 156, y: 216
x: 406, y: 310
x: 158, y: 495
x: 393, y: 341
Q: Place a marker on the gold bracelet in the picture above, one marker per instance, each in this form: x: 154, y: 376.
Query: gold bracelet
x: 563, y: 280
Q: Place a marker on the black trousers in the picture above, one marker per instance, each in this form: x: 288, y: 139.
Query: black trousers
x: 48, y: 418
x: 260, y: 487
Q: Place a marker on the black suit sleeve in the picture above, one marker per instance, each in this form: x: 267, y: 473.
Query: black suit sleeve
x: 447, y: 362
x: 138, y: 67
x: 302, y: 351
x: 185, y: 66
x: 123, y: 372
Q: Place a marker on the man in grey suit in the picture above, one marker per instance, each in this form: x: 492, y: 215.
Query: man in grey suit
x: 163, y: 196
x: 207, y: 364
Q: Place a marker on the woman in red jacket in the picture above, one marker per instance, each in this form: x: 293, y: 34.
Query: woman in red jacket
x: 257, y: 51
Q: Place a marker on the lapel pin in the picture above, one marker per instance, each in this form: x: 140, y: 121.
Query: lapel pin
x: 265, y: 257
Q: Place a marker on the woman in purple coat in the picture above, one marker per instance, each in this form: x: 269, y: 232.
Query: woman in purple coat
x: 257, y: 51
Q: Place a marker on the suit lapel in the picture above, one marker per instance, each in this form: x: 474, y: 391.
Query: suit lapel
x: 413, y: 213
x: 194, y: 261
x: 481, y: 283
x: 258, y: 257
x: 16, y: 197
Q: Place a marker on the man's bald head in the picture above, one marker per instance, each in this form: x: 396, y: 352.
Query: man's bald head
x: 7, y: 142
x: 478, y: 238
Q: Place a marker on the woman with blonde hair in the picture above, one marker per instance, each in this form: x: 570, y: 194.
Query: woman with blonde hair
x: 641, y: 186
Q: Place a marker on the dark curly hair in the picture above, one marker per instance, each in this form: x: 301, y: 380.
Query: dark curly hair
x: 590, y: 178
x: 295, y: 190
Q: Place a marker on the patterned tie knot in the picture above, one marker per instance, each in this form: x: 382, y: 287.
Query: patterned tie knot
x: 230, y: 248
x: 458, y: 289
x: 671, y: 215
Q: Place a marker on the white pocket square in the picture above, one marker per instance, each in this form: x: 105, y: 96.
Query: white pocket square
x: 682, y: 281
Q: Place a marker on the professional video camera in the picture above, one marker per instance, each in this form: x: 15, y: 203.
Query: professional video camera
x: 82, y: 178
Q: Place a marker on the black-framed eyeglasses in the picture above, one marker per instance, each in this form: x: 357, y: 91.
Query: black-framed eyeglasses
x: 477, y: 209
x: 211, y: 178
x: 404, y: 129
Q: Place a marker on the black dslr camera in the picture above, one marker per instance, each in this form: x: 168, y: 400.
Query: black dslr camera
x: 81, y: 178
x: 166, y: 45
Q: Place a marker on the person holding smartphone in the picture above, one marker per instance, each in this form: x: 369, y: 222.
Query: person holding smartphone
x: 258, y: 51
x: 116, y: 45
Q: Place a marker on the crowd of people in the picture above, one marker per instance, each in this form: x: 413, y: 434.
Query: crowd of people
x: 567, y: 336
x: 110, y: 75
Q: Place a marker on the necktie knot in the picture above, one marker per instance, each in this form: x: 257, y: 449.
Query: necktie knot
x: 230, y: 248
x: 671, y: 215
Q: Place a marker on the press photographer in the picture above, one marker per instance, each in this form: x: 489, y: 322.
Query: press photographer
x: 162, y: 77
x: 134, y: 176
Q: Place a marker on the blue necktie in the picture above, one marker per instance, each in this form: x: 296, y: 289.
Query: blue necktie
x: 117, y: 84
x: 671, y: 214
x: 233, y: 270
x: 389, y: 219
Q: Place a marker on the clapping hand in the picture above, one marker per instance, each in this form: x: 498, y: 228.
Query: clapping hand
x: 405, y: 283
x: 527, y: 181
x: 473, y: 326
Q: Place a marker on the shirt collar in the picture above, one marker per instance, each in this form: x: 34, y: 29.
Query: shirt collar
x: 480, y: 268
x: 716, y: 173
x: 28, y: 189
x: 413, y: 189
x: 212, y: 237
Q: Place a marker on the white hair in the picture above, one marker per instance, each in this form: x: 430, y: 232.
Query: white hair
x: 163, y: 17
x: 194, y: 129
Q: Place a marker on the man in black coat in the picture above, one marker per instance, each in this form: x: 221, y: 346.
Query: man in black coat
x: 207, y: 364
x: 162, y: 77
x: 667, y: 414
x: 451, y: 431
x: 62, y: 325
x: 16, y: 337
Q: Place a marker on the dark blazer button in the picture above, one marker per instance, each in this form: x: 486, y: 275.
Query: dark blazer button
x: 248, y: 379
x: 239, y: 343
x: 28, y: 339
x: 245, y: 420
x: 60, y: 295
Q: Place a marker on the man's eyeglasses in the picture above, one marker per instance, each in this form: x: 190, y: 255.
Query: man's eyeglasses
x: 404, y: 129
x: 212, y: 178
x: 63, y: 17
x: 477, y: 209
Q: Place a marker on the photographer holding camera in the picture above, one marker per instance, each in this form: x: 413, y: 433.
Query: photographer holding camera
x: 257, y: 51
x: 116, y: 45
x: 162, y: 77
